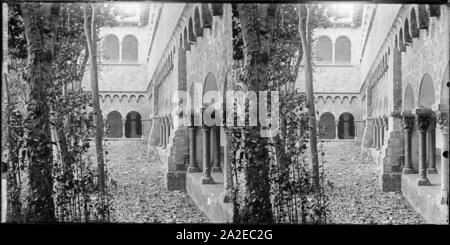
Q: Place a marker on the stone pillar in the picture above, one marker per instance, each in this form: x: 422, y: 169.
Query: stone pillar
x: 167, y: 132
x: 228, y: 178
x: 432, y: 147
x: 160, y: 132
x: 337, y: 129
x: 207, y: 179
x: 192, y: 160
x: 163, y: 132
x: 374, y: 132
x: 423, y: 121
x: 383, y: 128
x: 408, y: 125
x: 377, y: 131
x: 442, y: 120
x: 216, y: 145
x: 123, y: 127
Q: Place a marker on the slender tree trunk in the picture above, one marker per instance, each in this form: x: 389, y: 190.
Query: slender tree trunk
x: 257, y: 23
x: 40, y: 21
x: 305, y: 33
x: 91, y: 37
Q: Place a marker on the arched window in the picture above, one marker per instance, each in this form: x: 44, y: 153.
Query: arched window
x: 114, y: 124
x: 111, y: 49
x: 133, y: 125
x: 324, y: 50
x: 197, y: 24
x: 342, y: 50
x: 426, y: 93
x: 130, y: 49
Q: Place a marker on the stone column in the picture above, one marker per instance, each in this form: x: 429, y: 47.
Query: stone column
x: 216, y: 145
x: 377, y: 130
x: 383, y: 128
x: 163, y: 131
x: 228, y: 178
x: 442, y: 120
x: 408, y: 125
x: 337, y: 129
x: 167, y: 131
x: 207, y: 179
x: 423, y: 121
x: 123, y: 127
x: 374, y: 132
x: 192, y: 150
x: 432, y: 147
x: 160, y: 132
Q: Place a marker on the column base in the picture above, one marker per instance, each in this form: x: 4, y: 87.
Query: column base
x: 207, y: 180
x: 226, y: 196
x: 443, y: 197
x: 193, y: 169
x: 409, y: 171
x: 216, y: 169
x: 432, y: 171
x: 423, y: 182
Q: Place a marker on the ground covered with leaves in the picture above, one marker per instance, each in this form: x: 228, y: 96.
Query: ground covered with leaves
x: 356, y: 197
x: 140, y: 196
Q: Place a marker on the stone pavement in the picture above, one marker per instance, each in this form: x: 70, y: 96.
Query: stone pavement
x: 356, y: 197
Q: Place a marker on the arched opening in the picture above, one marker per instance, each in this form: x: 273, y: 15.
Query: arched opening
x: 327, y: 126
x: 210, y: 96
x: 182, y: 74
x: 133, y: 125
x: 324, y: 50
x: 206, y: 16
x: 401, y: 44
x: 197, y: 24
x: 187, y: 46
x: 130, y: 49
x: 424, y: 19
x: 114, y: 124
x: 217, y: 8
x: 192, y: 36
x: 342, y: 50
x: 346, y: 126
x: 408, y: 38
x: 414, y: 29
x: 426, y: 92
x: 111, y: 49
x: 408, y: 101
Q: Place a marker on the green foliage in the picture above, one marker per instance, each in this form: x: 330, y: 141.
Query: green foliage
x: 283, y: 158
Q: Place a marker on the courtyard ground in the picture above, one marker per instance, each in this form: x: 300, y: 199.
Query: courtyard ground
x: 356, y: 197
x: 140, y: 196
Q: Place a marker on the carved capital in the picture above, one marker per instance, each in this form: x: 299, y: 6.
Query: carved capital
x: 408, y: 122
x: 206, y: 128
x: 442, y: 121
x: 386, y: 122
x: 423, y: 122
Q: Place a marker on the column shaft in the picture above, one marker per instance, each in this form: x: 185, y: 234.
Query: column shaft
x: 432, y: 149
x: 192, y: 150
x: 228, y: 178
x: 123, y: 128
x: 216, y: 145
x: 422, y: 126
x: 408, y: 124
x: 207, y: 179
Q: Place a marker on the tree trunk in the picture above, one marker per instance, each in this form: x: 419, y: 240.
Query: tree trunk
x: 305, y: 33
x: 91, y: 38
x: 257, y: 23
x: 40, y: 21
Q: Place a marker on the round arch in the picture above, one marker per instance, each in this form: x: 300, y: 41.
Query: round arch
x: 324, y: 49
x: 426, y: 92
x: 114, y: 124
x: 346, y: 126
x: 130, y: 49
x: 111, y: 49
x: 342, y: 50
x: 327, y: 125
x: 133, y: 125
